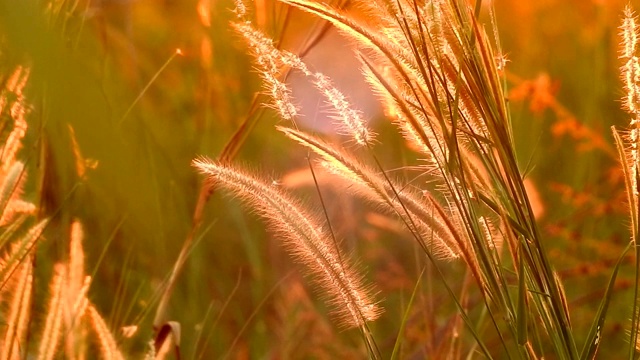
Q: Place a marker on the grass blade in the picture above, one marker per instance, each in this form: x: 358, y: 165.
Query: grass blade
x: 522, y: 302
x: 396, y: 347
x: 594, y: 339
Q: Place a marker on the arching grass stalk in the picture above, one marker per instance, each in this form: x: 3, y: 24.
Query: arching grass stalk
x: 306, y: 238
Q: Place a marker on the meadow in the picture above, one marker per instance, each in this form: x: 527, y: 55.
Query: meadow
x: 296, y: 179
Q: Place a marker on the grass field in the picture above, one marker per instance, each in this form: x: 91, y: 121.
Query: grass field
x: 308, y: 226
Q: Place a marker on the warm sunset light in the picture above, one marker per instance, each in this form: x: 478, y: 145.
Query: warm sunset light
x: 319, y: 179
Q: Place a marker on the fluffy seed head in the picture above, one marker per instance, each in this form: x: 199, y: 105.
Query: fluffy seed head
x: 108, y: 345
x: 350, y: 121
x: 305, y: 237
x: 53, y: 325
x: 268, y: 60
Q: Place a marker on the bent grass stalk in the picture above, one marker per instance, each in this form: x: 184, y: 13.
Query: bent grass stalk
x: 305, y: 237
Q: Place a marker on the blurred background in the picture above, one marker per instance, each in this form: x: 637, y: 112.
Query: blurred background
x: 118, y: 113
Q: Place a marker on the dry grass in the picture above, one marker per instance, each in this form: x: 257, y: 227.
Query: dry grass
x: 440, y: 80
x: 68, y: 310
x: 457, y: 206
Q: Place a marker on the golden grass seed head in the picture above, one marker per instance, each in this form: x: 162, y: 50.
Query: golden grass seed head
x: 305, y: 237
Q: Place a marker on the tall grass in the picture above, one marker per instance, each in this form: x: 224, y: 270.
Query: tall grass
x: 460, y: 204
x: 441, y: 80
x: 69, y: 312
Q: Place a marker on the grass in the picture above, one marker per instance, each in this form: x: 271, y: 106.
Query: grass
x: 480, y: 209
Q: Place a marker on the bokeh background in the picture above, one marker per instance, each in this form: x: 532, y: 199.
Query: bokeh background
x: 106, y: 80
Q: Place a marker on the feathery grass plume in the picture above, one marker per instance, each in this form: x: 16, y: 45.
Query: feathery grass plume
x: 10, y: 188
x: 17, y: 111
x: 414, y: 44
x: 240, y: 9
x: 627, y: 145
x: 268, y: 61
x: 75, y: 300
x: 395, y: 102
x: 108, y: 346
x: 12, y: 171
x: 53, y: 323
x: 18, y: 251
x: 630, y: 70
x: 74, y: 308
x: 151, y: 351
x: 428, y: 112
x: 419, y: 126
x: 11, y: 203
x: 307, y: 240
x: 430, y: 28
x: 491, y: 235
x: 630, y: 73
x: 424, y: 221
x: 14, y: 344
x: 350, y: 121
x: 76, y: 259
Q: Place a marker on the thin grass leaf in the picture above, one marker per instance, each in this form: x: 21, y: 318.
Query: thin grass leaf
x: 396, y: 347
x: 594, y: 338
x: 462, y: 312
x: 522, y: 303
